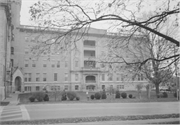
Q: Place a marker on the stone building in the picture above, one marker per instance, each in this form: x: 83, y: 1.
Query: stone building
x: 66, y: 66
x: 5, y: 44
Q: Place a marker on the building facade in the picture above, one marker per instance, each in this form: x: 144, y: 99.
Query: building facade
x: 5, y: 44
x: 75, y: 67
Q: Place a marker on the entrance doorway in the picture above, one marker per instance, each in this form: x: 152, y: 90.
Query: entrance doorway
x: 18, y: 84
x: 90, y: 87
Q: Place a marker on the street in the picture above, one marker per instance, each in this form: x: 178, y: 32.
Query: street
x: 51, y: 111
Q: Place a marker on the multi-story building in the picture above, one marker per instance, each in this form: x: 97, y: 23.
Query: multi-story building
x: 76, y: 69
x: 5, y: 43
x: 68, y: 65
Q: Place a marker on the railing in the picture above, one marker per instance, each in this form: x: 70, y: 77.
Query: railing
x: 90, y: 68
x: 90, y: 81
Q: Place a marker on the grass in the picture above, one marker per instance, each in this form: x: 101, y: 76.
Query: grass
x: 93, y: 119
x: 24, y: 98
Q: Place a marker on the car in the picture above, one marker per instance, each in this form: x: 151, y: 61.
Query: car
x: 164, y: 88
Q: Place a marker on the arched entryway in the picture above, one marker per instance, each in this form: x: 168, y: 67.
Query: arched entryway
x: 18, y: 83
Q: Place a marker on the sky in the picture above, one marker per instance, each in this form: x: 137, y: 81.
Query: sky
x: 25, y: 16
x: 25, y: 11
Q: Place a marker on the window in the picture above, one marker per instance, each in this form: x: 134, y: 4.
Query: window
x: 110, y: 78
x: 76, y: 63
x: 102, y: 65
x: 37, y: 77
x: 12, y: 63
x: 44, y: 76
x: 66, y: 64
x: 66, y: 77
x: 89, y: 64
x: 55, y: 76
x: 142, y: 78
x: 26, y: 63
x: 121, y: 86
x: 25, y: 77
x: 52, y: 65
x: 117, y: 77
x: 37, y: 88
x: 33, y: 64
x: 103, y: 86
x: 139, y: 77
x: 58, y: 64
x: 58, y: 88
x: 122, y: 77
x: 76, y: 77
x: 53, y: 88
x: 103, y: 77
x: 44, y: 63
x: 29, y: 79
x: 66, y: 87
x: 89, y: 43
x: 133, y: 77
x: 12, y: 50
x: 118, y: 87
x: 76, y: 87
x: 27, y: 88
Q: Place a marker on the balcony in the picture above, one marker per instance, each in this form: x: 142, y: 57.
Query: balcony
x: 89, y: 54
x: 90, y: 79
x: 89, y: 43
x: 90, y: 69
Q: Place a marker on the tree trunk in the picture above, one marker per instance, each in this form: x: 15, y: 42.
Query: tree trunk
x: 157, y: 89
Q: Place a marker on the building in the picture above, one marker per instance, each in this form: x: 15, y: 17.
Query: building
x: 5, y: 43
x: 62, y: 67
x: 71, y: 69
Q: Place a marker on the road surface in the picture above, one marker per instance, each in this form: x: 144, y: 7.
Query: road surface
x: 51, y: 111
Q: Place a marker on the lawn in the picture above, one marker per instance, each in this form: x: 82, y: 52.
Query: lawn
x: 56, y: 98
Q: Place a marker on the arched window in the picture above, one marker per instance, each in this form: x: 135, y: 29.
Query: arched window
x: 12, y: 50
x: 90, y: 79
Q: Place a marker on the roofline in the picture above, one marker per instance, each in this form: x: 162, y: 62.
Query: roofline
x: 58, y: 30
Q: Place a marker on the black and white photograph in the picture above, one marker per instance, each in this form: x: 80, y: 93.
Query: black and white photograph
x: 89, y: 62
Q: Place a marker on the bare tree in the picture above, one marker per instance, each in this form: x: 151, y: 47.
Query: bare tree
x: 121, y: 13
x: 144, y: 55
x: 152, y: 46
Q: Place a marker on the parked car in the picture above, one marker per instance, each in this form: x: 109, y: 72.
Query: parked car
x: 164, y: 88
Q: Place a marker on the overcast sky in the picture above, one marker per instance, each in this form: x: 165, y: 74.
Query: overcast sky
x: 25, y: 16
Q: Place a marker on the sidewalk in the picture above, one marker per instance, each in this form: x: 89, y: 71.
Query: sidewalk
x: 12, y: 99
x: 130, y: 122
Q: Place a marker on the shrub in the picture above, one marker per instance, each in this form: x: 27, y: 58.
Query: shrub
x: 46, y: 98
x: 97, y: 95
x: 118, y: 94
x: 92, y: 97
x: 130, y: 96
x: 77, y: 98
x: 175, y: 95
x: 64, y: 96
x: 165, y: 95
x: 160, y: 95
x: 123, y: 95
x: 40, y: 99
x: 39, y: 96
x: 103, y: 96
x: 71, y: 95
x: 31, y: 99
